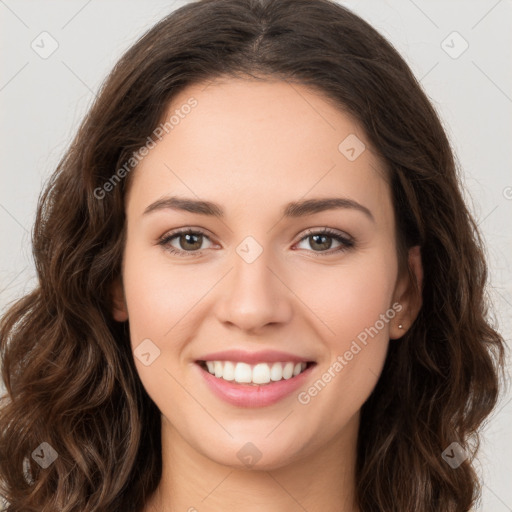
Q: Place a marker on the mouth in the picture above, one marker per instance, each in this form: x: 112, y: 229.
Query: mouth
x: 260, y: 374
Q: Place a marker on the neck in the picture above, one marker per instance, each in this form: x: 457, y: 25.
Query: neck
x: 323, y: 481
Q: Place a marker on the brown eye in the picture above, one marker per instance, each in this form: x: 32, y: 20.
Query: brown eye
x: 183, y: 242
x: 190, y: 241
x: 321, y: 241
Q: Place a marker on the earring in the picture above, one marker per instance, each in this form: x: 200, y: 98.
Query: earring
x: 400, y: 326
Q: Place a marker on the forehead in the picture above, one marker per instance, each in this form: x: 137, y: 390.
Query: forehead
x: 241, y: 142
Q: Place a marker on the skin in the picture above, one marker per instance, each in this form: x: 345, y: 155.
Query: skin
x: 253, y: 147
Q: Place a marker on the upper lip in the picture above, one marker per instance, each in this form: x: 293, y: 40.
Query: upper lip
x: 262, y: 356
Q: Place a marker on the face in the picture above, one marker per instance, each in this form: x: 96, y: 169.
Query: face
x: 259, y: 276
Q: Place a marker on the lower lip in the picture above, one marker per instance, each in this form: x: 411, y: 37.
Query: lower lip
x: 243, y: 395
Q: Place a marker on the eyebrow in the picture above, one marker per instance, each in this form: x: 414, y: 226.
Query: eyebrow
x: 292, y: 210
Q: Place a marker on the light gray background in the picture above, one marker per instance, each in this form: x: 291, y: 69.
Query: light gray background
x: 43, y: 100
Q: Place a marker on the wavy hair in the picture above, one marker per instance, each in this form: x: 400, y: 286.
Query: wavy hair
x: 67, y: 365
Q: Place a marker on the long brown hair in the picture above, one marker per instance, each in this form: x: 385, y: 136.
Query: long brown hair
x: 67, y: 365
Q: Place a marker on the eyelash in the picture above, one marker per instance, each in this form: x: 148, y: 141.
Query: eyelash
x: 346, y: 243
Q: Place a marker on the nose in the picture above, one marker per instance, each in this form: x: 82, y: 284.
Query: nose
x: 254, y: 295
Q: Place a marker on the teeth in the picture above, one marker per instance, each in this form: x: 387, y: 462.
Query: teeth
x: 276, y: 372
x: 243, y: 373
x: 288, y: 370
x: 261, y: 373
x: 228, y: 373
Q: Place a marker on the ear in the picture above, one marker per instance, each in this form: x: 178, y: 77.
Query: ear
x: 119, y: 308
x: 408, y: 293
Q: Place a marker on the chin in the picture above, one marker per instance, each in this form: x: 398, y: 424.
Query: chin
x: 252, y: 456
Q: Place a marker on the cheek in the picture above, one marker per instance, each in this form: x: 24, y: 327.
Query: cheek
x: 349, y: 298
x: 159, y: 295
x: 160, y: 300
x: 352, y: 306
x: 356, y: 343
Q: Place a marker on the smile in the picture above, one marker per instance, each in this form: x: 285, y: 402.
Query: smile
x: 254, y: 385
x: 257, y: 374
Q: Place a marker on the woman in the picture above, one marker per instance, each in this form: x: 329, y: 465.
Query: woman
x: 259, y: 285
